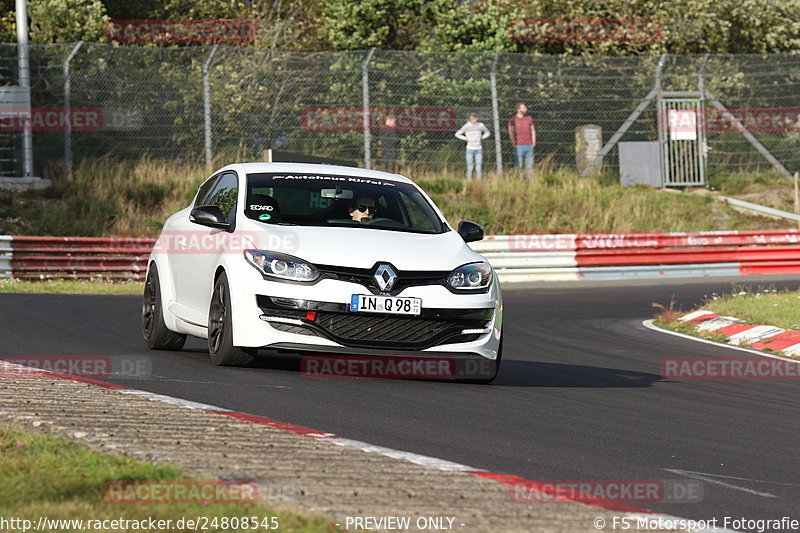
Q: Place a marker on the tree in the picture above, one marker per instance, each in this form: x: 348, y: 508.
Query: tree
x: 470, y: 26
x: 676, y: 27
x: 388, y: 24
x: 8, y: 28
x: 132, y: 9
x: 59, y: 21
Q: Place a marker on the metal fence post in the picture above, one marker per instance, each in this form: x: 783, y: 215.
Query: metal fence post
x: 23, y: 62
x: 365, y: 111
x: 207, y: 104
x: 67, y: 108
x: 498, y: 147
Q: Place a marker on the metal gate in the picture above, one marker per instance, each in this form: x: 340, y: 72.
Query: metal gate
x: 681, y: 136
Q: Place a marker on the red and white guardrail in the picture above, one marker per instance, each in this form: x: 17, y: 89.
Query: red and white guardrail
x: 24, y: 257
x: 514, y: 257
x: 641, y: 255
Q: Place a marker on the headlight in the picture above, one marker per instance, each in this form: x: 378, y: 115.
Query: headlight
x: 281, y: 266
x: 473, y: 276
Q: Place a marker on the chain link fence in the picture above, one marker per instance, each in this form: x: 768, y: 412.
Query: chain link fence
x: 232, y: 103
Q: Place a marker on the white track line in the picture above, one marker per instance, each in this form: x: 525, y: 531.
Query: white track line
x: 710, y: 478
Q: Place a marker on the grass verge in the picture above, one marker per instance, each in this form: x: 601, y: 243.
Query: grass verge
x: 770, y: 189
x: 71, y: 286
x: 45, y: 475
x: 109, y: 197
x: 759, y: 306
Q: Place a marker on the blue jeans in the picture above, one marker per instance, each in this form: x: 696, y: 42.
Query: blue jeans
x: 525, y: 156
x: 474, y: 159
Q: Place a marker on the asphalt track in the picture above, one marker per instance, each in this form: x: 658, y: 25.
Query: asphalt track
x: 579, y: 395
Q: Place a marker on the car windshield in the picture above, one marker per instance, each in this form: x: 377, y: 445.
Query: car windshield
x: 342, y: 201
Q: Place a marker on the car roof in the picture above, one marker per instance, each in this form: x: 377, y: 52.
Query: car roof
x: 335, y: 170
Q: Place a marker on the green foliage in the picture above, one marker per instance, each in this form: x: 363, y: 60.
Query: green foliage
x: 282, y: 24
x: 59, y: 21
x: 762, y: 26
x: 687, y: 26
x: 436, y: 25
x: 764, y: 305
x: 676, y: 27
x: 389, y: 24
x: 680, y: 26
x: 470, y: 26
x: 8, y: 28
x: 132, y: 9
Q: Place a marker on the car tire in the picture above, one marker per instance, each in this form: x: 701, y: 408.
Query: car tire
x: 493, y: 369
x: 154, y: 330
x: 220, y: 329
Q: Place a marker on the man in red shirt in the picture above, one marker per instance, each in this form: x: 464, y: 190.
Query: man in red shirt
x: 522, y: 132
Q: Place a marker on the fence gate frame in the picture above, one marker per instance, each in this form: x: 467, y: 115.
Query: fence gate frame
x: 683, y: 161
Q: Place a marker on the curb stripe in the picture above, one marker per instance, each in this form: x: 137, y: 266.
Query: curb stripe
x: 697, y: 315
x: 718, y: 323
x: 755, y: 333
x: 785, y: 342
x: 734, y: 330
x: 781, y: 342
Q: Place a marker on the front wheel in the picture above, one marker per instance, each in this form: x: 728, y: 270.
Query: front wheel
x: 220, y: 329
x: 154, y: 330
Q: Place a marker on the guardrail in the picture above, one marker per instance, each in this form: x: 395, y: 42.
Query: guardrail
x: 643, y: 255
x: 74, y: 257
x: 515, y: 257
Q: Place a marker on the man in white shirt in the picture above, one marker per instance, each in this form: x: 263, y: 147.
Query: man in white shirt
x: 473, y: 132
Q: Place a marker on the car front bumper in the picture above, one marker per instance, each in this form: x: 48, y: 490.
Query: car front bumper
x: 270, y: 314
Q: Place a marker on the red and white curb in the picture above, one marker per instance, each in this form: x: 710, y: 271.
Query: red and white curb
x: 630, y: 511
x: 760, y: 337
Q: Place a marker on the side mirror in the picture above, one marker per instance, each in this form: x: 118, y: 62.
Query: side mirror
x: 470, y: 231
x: 209, y: 215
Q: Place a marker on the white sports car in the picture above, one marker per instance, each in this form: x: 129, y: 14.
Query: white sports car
x: 322, y: 258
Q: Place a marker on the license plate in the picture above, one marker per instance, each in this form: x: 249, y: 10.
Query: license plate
x: 368, y: 303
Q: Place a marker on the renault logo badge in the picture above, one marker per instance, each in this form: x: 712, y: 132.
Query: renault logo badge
x: 385, y: 276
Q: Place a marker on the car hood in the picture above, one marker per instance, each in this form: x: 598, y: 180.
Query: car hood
x: 362, y: 248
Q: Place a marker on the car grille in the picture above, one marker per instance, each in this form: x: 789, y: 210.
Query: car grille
x: 383, y: 331
x: 368, y: 330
